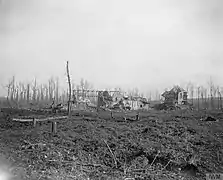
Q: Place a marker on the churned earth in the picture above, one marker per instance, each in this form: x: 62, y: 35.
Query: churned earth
x: 160, y: 145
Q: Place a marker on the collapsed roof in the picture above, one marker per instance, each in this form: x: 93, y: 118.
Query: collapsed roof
x: 174, y: 90
x: 171, y: 96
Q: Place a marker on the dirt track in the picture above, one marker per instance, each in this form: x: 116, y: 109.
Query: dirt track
x: 155, y: 147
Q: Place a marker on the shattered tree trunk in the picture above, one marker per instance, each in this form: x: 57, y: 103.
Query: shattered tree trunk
x: 69, y: 95
x: 13, y: 89
x: 57, y: 91
x: 198, y: 98
x: 28, y: 93
x: 41, y: 93
x: 220, y: 97
x: 50, y: 90
x: 34, y: 91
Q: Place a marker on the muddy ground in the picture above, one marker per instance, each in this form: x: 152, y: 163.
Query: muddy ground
x: 160, y: 145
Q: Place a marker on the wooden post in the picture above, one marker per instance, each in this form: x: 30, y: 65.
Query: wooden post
x: 54, y: 127
x: 34, y: 122
x: 125, y: 115
x: 112, y: 115
x: 137, y: 116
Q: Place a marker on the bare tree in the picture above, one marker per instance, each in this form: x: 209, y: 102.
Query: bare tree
x: 16, y: 100
x: 211, y: 86
x: 51, y: 86
x: 192, y: 92
x: 46, y: 92
x: 198, y: 97
x: 9, y: 91
x: 41, y: 93
x: 34, y: 88
x: 37, y: 95
x: 217, y: 96
x: 28, y: 92
x: 205, y: 98
x: 202, y: 96
x: 24, y: 92
x: 214, y: 96
x: 82, y: 87
x: 21, y: 90
x: 57, y: 90
x: 12, y: 88
x: 220, y: 93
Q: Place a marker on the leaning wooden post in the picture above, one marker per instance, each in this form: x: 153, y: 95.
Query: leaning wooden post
x: 54, y: 127
x: 69, y: 85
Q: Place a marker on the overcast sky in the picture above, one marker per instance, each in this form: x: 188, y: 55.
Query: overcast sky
x: 147, y: 44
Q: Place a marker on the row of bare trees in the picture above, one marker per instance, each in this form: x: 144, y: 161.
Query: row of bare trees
x: 205, y: 97
x: 20, y: 94
x: 33, y: 93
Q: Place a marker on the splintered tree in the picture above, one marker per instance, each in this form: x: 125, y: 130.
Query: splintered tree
x: 51, y: 88
x: 21, y: 92
x: 17, y: 95
x: 46, y: 92
x: 57, y: 90
x: 192, y: 93
x: 41, y: 93
x: 34, y: 91
x: 202, y: 96
x: 218, y: 97
x: 38, y: 96
x: 211, y: 86
x: 8, y: 92
x: 198, y: 97
x: 205, y: 98
x: 24, y: 93
x: 27, y: 92
x: 82, y: 87
x: 69, y: 86
x: 12, y: 88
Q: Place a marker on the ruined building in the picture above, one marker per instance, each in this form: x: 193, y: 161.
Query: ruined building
x: 176, y: 95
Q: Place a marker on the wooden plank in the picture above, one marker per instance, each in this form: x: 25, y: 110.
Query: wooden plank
x: 44, y: 119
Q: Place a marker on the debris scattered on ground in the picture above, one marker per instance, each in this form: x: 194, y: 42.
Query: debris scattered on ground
x: 209, y: 119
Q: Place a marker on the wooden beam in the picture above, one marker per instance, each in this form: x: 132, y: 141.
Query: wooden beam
x: 38, y: 120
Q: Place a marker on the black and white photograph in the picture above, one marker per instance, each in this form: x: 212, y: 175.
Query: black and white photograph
x: 111, y: 89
